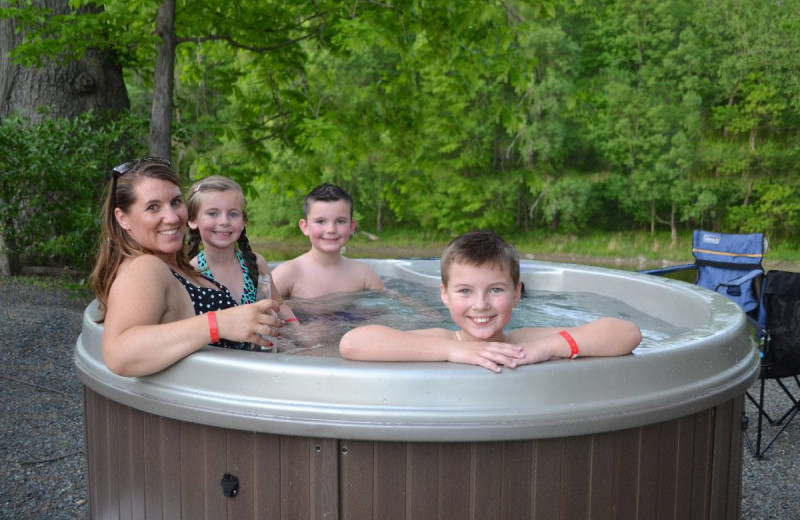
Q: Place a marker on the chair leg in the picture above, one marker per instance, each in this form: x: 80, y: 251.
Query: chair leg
x: 794, y: 402
x: 784, y: 421
x: 757, y: 453
x: 759, y: 404
x: 783, y: 427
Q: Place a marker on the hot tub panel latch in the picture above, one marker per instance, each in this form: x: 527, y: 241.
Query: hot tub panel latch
x: 230, y: 485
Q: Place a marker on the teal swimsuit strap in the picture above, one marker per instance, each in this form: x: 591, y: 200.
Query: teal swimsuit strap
x: 202, y: 265
x: 249, y: 288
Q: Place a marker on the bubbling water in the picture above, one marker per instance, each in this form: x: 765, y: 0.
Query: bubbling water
x: 407, y: 305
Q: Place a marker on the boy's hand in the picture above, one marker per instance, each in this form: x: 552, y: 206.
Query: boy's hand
x: 537, y: 353
x: 487, y: 355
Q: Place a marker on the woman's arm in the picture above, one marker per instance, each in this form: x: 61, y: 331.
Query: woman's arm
x: 602, y: 337
x: 150, y: 323
x: 381, y: 343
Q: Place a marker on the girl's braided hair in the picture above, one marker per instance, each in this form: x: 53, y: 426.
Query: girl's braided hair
x: 218, y: 183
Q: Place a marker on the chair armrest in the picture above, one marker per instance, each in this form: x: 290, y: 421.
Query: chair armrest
x: 666, y: 270
x: 760, y: 329
x: 742, y: 279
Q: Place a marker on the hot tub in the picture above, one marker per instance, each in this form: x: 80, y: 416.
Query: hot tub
x: 656, y: 434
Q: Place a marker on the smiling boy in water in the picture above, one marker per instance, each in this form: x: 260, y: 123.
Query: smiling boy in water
x: 480, y: 287
x: 328, y: 224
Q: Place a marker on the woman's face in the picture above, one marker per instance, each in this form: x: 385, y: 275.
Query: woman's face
x: 157, y: 217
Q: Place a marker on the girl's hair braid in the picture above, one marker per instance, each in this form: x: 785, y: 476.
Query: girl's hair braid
x: 249, y: 256
x: 194, y: 242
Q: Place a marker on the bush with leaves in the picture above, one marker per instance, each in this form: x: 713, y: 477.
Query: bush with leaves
x: 52, y: 177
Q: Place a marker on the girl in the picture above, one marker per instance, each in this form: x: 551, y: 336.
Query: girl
x: 217, y: 219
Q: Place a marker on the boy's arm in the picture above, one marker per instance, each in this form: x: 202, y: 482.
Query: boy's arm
x: 372, y: 282
x: 283, y: 279
x: 602, y: 337
x: 381, y: 343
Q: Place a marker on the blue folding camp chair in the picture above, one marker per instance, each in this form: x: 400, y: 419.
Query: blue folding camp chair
x: 728, y: 264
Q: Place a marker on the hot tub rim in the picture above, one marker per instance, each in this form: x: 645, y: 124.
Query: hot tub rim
x: 319, y: 420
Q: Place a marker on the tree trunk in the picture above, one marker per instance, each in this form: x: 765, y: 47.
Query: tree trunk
x: 55, y: 90
x: 163, y: 83
x: 673, y: 226
x: 652, y: 218
x: 58, y: 90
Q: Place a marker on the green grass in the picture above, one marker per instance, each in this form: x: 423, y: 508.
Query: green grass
x: 626, y: 250
x: 78, y: 290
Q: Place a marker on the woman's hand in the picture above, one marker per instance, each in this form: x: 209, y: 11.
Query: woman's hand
x: 250, y: 323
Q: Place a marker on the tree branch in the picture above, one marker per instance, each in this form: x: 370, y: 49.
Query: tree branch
x: 510, y: 11
x: 236, y: 44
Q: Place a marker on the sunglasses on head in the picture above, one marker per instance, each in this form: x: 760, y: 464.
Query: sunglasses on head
x: 121, y: 169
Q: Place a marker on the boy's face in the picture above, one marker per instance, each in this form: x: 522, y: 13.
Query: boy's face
x: 480, y: 300
x: 328, y: 225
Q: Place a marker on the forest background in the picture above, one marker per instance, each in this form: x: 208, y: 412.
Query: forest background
x: 606, y: 128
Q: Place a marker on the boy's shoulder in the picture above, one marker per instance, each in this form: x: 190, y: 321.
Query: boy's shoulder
x: 363, y: 271
x: 288, y: 265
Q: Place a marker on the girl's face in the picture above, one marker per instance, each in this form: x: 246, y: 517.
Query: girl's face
x: 481, y: 300
x: 220, y: 219
x: 157, y: 217
x: 328, y: 225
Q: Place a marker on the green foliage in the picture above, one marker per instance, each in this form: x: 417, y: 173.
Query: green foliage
x: 554, y: 116
x: 124, y: 26
x: 52, y: 175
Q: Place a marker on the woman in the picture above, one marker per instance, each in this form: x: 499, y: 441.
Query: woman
x: 157, y: 309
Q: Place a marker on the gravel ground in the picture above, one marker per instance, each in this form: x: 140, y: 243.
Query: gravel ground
x: 43, y: 473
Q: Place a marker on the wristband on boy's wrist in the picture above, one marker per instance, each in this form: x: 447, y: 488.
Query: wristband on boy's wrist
x: 573, y: 346
x: 289, y: 320
x: 213, y: 330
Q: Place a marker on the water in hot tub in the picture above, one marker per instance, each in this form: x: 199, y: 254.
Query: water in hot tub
x: 408, y: 305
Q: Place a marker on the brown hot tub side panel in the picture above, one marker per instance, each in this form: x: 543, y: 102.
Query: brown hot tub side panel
x: 147, y: 466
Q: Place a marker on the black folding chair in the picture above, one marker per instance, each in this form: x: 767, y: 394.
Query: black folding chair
x: 778, y: 326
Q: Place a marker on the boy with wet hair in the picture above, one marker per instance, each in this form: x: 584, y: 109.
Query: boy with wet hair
x: 480, y: 287
x: 328, y: 224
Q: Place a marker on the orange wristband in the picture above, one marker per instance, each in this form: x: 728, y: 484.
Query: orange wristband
x: 573, y: 347
x: 213, y: 331
x: 290, y: 320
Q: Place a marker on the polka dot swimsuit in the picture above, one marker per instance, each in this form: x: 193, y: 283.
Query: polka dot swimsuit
x: 205, y: 300
x: 249, y: 292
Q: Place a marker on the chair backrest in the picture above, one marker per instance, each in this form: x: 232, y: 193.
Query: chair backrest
x: 780, y: 314
x: 723, y: 257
